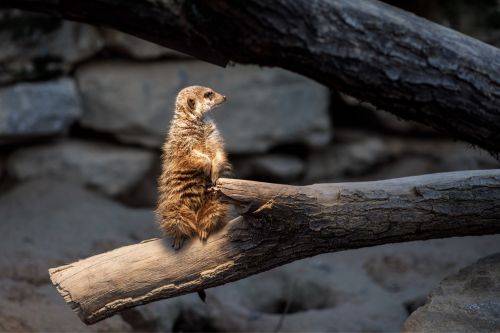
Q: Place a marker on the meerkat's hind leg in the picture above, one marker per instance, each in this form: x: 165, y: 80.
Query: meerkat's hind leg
x: 210, y: 216
x: 180, y: 225
x: 177, y: 243
x: 179, y: 234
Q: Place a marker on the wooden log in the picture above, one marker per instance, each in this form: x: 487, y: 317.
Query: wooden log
x: 397, y: 61
x: 281, y: 224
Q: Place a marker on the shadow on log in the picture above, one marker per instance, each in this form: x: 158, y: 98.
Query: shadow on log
x: 280, y: 224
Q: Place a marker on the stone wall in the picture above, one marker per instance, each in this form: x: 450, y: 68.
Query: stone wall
x: 83, y: 113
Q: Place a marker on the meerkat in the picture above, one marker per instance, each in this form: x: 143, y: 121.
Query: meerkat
x: 193, y: 159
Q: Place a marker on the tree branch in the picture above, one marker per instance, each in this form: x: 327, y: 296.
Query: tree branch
x: 280, y: 224
x: 397, y: 61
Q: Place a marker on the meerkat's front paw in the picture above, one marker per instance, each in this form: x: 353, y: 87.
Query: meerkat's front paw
x: 208, y: 170
x: 205, y: 162
x: 213, y: 177
x: 177, y: 243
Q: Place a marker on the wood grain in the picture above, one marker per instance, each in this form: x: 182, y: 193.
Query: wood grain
x: 280, y: 224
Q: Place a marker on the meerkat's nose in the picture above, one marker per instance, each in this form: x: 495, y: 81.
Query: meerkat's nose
x: 224, y: 98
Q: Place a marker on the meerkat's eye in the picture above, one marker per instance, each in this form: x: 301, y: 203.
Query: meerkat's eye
x: 209, y: 94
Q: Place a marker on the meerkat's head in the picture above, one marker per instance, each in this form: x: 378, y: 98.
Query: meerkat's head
x: 197, y: 100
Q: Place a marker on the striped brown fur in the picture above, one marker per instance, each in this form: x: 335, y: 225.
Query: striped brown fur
x: 192, y: 161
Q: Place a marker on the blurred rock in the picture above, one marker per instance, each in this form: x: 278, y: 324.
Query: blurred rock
x: 265, y: 107
x: 416, y: 157
x: 309, y: 296
x: 468, y: 301
x: 145, y: 193
x: 392, y: 123
x: 456, y: 156
x: 349, y: 112
x: 271, y: 167
x: 46, y: 223
x: 353, y: 158
x: 33, y: 109
x: 410, y: 271
x: 136, y: 47
x: 37, y: 46
x: 110, y: 169
x: 279, y: 167
x: 28, y: 308
x: 403, y: 166
x: 186, y: 313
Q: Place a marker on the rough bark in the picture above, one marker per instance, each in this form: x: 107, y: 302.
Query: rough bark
x: 397, y: 61
x: 281, y: 224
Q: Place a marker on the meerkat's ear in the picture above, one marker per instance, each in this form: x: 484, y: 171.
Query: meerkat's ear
x: 191, y: 103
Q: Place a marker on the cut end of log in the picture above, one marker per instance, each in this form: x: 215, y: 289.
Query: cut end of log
x: 55, y: 278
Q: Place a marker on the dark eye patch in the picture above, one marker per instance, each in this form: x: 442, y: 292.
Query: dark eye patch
x: 209, y: 94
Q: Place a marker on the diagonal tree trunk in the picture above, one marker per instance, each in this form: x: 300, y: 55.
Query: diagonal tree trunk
x: 281, y: 224
x: 399, y: 62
